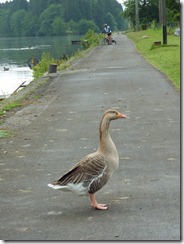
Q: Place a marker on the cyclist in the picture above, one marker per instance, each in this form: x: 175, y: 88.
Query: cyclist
x: 107, y: 30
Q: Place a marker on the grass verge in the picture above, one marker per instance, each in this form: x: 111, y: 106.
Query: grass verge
x: 5, y: 133
x: 165, y: 58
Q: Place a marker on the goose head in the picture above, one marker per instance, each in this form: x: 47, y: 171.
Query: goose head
x: 112, y: 114
x: 109, y: 115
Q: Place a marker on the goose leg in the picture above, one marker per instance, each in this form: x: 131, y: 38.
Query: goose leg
x: 96, y: 205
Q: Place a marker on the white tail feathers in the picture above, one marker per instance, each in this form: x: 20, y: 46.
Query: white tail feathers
x: 57, y: 187
x: 76, y: 188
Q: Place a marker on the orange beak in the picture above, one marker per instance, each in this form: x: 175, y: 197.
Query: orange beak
x: 121, y: 116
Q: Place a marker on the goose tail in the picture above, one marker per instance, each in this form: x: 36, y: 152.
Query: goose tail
x: 57, y: 187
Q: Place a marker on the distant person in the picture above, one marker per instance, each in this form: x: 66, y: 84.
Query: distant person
x: 107, y: 31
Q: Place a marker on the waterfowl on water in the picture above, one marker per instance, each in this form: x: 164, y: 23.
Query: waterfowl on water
x: 6, y: 69
x: 92, y: 172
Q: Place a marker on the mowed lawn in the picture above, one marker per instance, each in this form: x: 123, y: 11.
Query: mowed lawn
x: 166, y: 58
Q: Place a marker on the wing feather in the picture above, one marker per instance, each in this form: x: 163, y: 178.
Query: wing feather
x: 85, y: 171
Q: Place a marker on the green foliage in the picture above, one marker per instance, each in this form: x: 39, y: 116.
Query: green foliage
x: 12, y: 105
x: 109, y: 18
x: 58, y: 26
x: 164, y: 57
x: 9, y: 107
x: 42, y: 67
x: 50, y: 17
x: 16, y: 22
x: 5, y: 133
x: 173, y: 11
x: 89, y: 39
x: 85, y: 25
x: 149, y: 11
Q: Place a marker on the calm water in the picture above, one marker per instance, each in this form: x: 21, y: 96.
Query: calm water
x: 15, y: 52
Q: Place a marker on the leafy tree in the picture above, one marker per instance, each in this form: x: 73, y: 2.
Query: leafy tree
x: 173, y: 11
x: 56, y: 17
x: 30, y: 25
x: 149, y: 11
x: 129, y: 11
x: 16, y: 22
x: 4, y: 23
x: 100, y: 13
x: 109, y: 18
x: 59, y: 26
x: 37, y: 6
x: 85, y: 25
x: 74, y: 12
x: 47, y: 18
x: 17, y: 5
x: 72, y: 27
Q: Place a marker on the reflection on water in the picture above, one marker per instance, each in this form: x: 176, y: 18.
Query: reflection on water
x: 15, y: 52
x: 10, y: 80
x: 25, y: 48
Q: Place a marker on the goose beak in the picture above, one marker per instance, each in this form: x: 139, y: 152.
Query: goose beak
x: 121, y: 116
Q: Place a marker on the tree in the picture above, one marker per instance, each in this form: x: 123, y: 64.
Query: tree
x: 37, y: 6
x: 16, y: 22
x: 59, y: 26
x: 110, y: 20
x: 4, y: 26
x: 129, y: 11
x: 30, y: 25
x: 173, y: 11
x: 47, y: 18
x: 16, y: 5
x: 148, y: 11
x: 72, y: 27
x: 55, y: 17
x: 85, y: 25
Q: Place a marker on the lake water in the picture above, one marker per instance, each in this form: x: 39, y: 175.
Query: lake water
x: 15, y: 52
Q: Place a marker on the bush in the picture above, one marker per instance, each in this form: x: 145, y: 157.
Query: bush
x: 89, y: 39
x: 43, y: 65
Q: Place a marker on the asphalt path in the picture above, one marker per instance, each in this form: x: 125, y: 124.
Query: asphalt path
x: 61, y: 127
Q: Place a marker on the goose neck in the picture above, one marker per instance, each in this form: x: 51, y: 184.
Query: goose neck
x: 104, y: 129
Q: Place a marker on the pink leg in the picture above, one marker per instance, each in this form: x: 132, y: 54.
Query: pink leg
x: 96, y: 205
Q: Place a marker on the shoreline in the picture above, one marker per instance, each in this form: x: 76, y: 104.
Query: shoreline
x: 20, y: 99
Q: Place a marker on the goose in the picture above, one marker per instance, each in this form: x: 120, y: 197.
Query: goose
x: 6, y: 69
x: 93, y: 171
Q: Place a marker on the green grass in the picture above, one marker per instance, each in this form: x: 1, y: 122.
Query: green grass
x: 9, y: 107
x: 166, y: 58
x: 5, y: 133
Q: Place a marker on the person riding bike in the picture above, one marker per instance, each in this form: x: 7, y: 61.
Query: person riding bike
x: 107, y: 30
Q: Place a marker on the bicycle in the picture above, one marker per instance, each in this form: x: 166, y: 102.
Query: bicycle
x: 106, y: 41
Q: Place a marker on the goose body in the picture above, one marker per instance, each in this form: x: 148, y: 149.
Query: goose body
x: 92, y: 172
x: 6, y: 69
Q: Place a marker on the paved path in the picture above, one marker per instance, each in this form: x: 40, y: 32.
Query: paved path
x: 62, y: 127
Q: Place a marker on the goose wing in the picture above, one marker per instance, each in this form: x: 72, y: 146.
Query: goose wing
x: 90, y: 171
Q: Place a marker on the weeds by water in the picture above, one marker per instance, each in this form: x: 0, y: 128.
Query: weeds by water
x: 89, y: 40
x: 62, y: 64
